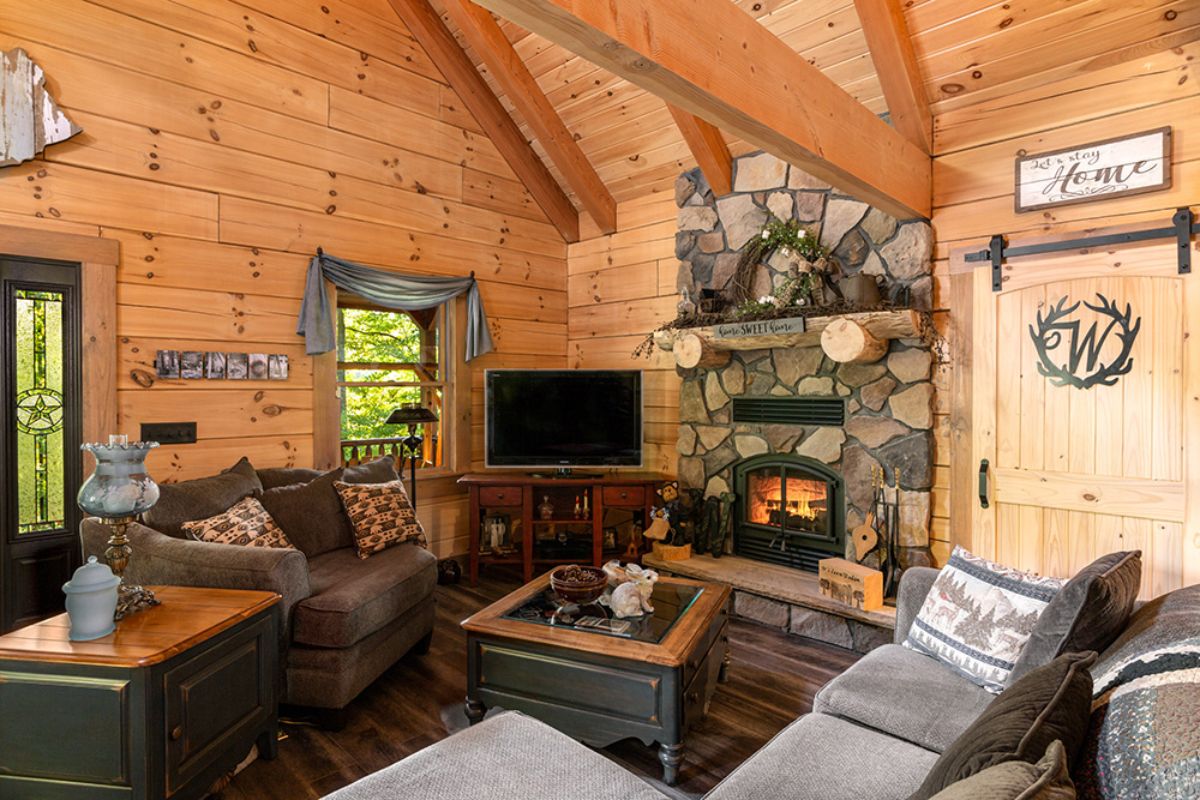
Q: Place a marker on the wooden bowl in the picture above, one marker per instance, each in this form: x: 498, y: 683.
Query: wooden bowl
x: 578, y: 584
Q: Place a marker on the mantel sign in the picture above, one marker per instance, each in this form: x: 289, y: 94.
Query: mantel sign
x: 762, y: 327
x: 1127, y: 165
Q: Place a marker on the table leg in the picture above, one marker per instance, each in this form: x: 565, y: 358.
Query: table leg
x: 671, y: 756
x: 475, y: 711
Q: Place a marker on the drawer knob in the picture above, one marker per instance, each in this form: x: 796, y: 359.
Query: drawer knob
x: 176, y: 733
x: 624, y: 495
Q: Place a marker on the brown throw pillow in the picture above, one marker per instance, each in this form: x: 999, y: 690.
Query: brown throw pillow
x: 1051, y: 702
x: 1048, y: 779
x: 381, y: 514
x: 247, y: 524
x: 1087, y: 614
x: 201, y: 498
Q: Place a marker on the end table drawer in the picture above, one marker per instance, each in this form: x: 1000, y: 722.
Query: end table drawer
x: 500, y: 496
x: 630, y: 496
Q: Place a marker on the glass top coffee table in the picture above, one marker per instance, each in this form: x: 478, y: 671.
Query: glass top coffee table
x: 598, y: 678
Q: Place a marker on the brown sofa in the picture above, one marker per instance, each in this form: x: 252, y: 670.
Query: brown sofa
x: 346, y: 619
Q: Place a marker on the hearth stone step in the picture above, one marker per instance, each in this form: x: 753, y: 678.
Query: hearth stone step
x: 788, y: 599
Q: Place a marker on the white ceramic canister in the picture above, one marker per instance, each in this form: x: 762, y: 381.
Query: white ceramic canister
x: 91, y: 601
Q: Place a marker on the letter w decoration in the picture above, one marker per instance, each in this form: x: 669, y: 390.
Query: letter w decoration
x: 1084, y: 350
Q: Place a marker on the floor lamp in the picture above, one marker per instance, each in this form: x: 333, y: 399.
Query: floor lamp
x: 413, y: 415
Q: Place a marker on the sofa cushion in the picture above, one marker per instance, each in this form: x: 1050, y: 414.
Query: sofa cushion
x: 1048, y: 779
x: 906, y: 694
x: 506, y: 757
x: 1087, y: 614
x: 352, y: 598
x: 978, y: 616
x: 381, y: 514
x: 819, y: 757
x: 311, y: 513
x: 246, y: 524
x: 201, y: 498
x: 274, y: 477
x: 1050, y: 702
x: 1144, y: 740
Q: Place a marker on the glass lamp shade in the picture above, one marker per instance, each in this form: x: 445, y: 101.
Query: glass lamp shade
x: 120, y: 486
x: 411, y: 415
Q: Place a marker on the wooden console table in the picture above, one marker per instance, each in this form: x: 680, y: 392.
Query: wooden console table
x: 163, y: 707
x: 517, y: 496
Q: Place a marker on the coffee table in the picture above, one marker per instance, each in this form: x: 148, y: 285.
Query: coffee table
x: 530, y: 652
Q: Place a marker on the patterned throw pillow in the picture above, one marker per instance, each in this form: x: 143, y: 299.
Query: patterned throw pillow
x: 978, y: 616
x: 381, y: 514
x: 247, y: 523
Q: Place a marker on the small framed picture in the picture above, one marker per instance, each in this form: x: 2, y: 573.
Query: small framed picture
x: 277, y: 367
x: 214, y: 366
x: 191, y: 365
x: 237, y: 366
x: 258, y: 366
x: 166, y: 363
x: 610, y: 538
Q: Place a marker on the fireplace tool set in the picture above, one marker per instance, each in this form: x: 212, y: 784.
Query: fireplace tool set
x: 877, y: 539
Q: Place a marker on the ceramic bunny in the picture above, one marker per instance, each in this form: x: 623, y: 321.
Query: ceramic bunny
x: 632, y: 598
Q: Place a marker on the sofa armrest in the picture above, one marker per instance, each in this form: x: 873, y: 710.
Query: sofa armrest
x: 166, y: 560
x: 914, y: 585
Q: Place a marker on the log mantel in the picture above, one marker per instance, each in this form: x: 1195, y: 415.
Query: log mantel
x: 900, y: 324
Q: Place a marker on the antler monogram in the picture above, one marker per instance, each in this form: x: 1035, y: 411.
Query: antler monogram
x: 1048, y: 335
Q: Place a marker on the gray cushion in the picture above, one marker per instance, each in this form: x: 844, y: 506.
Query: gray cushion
x: 1087, y: 613
x: 906, y: 694
x: 201, y: 498
x: 311, y: 514
x: 506, y: 757
x: 274, y: 477
x: 353, y: 597
x: 819, y: 757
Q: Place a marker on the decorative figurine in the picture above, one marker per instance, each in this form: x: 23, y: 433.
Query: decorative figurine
x: 660, y: 525
x: 632, y: 598
x: 495, y: 527
x: 546, y: 508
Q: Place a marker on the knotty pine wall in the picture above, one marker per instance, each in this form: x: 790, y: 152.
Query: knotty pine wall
x: 975, y: 144
x: 223, y: 143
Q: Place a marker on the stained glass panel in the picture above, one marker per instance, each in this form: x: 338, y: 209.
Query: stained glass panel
x: 38, y: 359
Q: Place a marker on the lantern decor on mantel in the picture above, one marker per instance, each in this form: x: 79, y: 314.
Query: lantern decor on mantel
x: 117, y: 492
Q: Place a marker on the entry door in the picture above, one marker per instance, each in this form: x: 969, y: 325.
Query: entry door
x: 40, y: 423
x: 1086, y: 409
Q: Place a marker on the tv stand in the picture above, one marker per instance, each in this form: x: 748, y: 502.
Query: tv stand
x: 516, y: 498
x: 565, y: 472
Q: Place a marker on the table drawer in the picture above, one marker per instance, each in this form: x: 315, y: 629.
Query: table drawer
x: 625, y: 496
x: 500, y: 496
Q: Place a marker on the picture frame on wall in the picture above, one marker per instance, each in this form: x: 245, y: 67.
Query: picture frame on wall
x: 258, y: 366
x: 277, y: 367
x: 191, y: 365
x: 214, y: 366
x: 237, y: 366
x: 166, y: 364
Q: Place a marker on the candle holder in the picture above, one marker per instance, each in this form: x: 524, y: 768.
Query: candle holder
x: 117, y: 492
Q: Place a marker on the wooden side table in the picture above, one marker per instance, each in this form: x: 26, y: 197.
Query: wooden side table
x: 163, y: 707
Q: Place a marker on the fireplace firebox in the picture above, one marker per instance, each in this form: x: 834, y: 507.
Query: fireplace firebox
x: 790, y: 510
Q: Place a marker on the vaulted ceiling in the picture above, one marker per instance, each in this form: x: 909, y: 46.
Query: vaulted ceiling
x: 967, y: 51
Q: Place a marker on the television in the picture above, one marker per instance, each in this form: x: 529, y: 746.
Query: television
x: 560, y: 418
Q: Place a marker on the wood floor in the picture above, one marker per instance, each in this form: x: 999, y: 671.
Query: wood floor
x: 771, y: 681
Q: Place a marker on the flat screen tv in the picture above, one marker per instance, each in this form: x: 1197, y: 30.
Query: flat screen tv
x: 563, y: 418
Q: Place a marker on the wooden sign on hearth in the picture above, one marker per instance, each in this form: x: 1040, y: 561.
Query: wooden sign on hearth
x: 1126, y: 165
x: 851, y: 584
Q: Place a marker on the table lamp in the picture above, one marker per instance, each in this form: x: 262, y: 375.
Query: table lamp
x: 414, y: 415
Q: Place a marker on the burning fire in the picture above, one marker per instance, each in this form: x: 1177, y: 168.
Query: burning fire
x: 806, y: 501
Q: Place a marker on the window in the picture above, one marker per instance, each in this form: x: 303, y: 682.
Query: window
x: 387, y: 359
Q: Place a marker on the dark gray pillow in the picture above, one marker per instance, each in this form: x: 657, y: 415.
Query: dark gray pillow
x: 311, y: 514
x: 286, y: 476
x: 1086, y: 614
x: 1053, y: 701
x: 1048, y: 779
x: 201, y: 498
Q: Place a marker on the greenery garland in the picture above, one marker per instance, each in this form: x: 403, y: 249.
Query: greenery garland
x: 776, y: 234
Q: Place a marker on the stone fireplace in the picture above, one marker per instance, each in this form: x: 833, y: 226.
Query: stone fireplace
x: 790, y: 510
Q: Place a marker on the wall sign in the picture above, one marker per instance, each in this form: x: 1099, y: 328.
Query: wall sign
x: 1085, y: 359
x: 1127, y: 165
x: 762, y: 327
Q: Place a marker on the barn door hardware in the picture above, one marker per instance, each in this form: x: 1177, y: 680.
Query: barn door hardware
x: 1182, y: 228
x: 983, y: 483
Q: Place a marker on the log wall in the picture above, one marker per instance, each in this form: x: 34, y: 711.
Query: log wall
x: 223, y: 143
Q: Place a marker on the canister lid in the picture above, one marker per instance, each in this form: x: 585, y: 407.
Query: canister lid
x: 92, y: 575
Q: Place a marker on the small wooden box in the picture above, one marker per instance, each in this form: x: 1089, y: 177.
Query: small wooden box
x: 670, y: 552
x: 851, y: 584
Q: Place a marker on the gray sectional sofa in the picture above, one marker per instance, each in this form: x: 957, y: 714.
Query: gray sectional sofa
x: 874, y: 733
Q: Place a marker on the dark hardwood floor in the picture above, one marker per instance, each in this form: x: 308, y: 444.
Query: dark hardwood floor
x: 772, y: 680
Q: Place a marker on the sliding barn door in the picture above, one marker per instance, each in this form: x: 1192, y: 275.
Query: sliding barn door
x: 1086, y: 413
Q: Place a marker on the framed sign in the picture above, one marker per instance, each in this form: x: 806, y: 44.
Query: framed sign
x: 1140, y: 162
x: 762, y: 327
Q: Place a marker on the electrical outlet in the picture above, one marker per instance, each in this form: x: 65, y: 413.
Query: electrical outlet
x: 169, y: 432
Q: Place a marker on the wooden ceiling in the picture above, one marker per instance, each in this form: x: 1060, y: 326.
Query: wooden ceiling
x: 967, y: 51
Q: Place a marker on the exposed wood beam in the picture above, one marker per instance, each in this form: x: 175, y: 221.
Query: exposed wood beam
x: 708, y: 148
x: 488, y: 41
x: 896, y: 65
x: 726, y: 68
x: 441, y: 46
